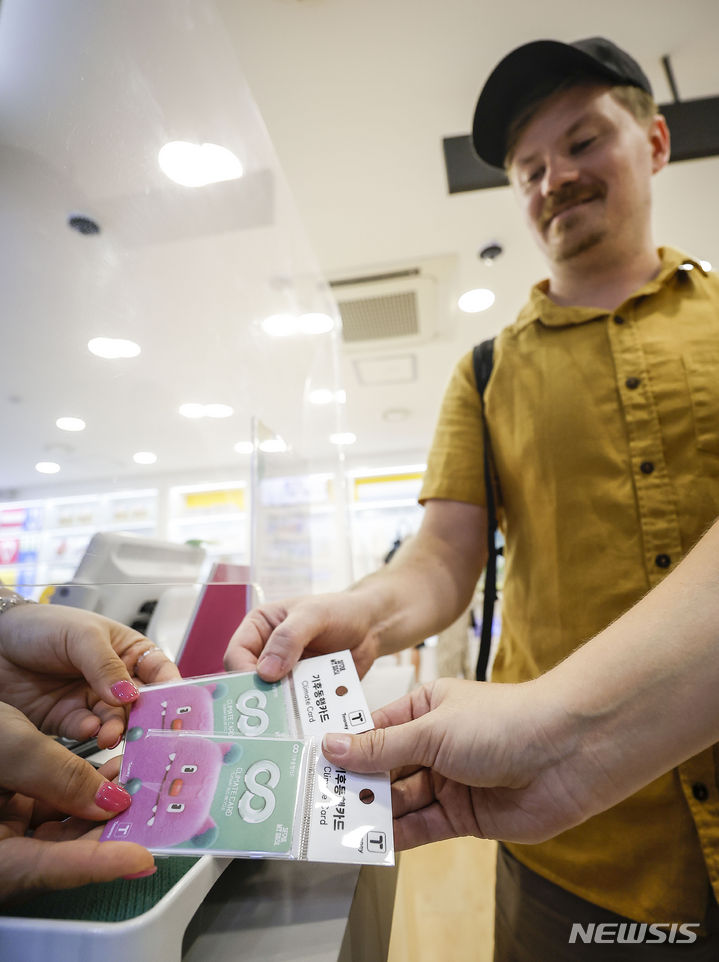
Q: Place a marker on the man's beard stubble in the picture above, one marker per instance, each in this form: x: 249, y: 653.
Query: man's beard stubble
x: 569, y: 196
x: 580, y: 246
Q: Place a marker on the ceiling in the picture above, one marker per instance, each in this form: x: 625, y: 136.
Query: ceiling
x: 338, y: 110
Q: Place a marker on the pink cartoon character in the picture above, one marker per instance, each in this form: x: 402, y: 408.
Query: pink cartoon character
x: 175, y: 708
x: 172, y: 781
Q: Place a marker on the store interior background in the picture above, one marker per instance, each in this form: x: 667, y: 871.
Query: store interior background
x: 337, y: 111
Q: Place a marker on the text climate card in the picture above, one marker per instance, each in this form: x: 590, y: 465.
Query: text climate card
x: 350, y: 817
x: 329, y: 696
x: 229, y: 764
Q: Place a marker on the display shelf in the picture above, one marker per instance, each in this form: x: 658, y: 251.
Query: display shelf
x: 389, y: 504
x: 383, y: 510
x: 42, y: 541
x: 215, y: 515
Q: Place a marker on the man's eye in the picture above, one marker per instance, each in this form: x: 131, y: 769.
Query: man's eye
x: 581, y: 145
x: 534, y: 175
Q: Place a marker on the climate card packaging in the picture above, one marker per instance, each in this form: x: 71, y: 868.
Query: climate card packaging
x: 231, y: 765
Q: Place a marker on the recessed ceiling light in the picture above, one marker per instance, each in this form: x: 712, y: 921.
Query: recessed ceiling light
x: 325, y: 395
x: 705, y: 265
x: 113, y: 347
x: 47, y: 467
x: 315, y: 323
x: 192, y: 410
x: 218, y: 411
x: 280, y: 325
x: 479, y: 299
x: 244, y: 447
x: 273, y: 446
x: 144, y: 457
x: 343, y: 437
x: 70, y: 424
x: 195, y: 165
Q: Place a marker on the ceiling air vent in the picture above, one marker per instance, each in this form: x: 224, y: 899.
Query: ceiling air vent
x: 373, y: 318
x: 391, y: 309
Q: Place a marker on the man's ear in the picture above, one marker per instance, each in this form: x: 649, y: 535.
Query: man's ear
x: 660, y: 142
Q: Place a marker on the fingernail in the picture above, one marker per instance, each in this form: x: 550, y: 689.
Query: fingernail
x: 270, y: 665
x: 125, y: 690
x: 336, y: 745
x: 111, y: 798
x: 148, y: 871
x: 115, y: 744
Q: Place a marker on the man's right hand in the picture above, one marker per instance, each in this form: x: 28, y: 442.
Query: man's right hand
x: 272, y: 638
x: 428, y: 584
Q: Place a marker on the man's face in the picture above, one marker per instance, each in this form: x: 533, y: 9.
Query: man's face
x: 581, y: 171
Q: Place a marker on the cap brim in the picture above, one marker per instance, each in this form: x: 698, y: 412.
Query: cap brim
x: 512, y: 84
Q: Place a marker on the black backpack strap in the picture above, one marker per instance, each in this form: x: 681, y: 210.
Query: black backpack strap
x: 483, y: 359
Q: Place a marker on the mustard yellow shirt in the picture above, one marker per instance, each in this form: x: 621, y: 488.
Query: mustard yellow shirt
x: 605, y: 430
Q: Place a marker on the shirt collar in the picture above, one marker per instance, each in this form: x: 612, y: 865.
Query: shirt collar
x: 540, y: 307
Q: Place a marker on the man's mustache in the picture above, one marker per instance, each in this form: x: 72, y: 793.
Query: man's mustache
x: 567, y: 197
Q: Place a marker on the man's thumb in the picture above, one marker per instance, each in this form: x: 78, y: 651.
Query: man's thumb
x: 379, y: 750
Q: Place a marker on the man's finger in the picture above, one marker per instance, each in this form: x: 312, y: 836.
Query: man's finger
x: 378, y: 750
x: 246, y: 643
x: 287, y: 642
x: 410, y: 706
x: 412, y: 793
x: 418, y: 828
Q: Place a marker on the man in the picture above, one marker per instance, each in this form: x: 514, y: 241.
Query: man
x: 603, y: 411
x: 467, y: 757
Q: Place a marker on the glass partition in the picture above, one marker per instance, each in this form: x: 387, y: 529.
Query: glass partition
x: 159, y: 290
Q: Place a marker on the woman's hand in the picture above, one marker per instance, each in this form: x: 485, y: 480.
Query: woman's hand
x: 41, y: 782
x: 71, y: 671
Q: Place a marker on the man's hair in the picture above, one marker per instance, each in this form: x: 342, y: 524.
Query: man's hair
x: 638, y: 102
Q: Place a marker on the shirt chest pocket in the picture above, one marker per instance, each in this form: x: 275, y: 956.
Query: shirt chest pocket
x: 703, y: 378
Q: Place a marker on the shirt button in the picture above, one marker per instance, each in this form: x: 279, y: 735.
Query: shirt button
x: 700, y: 791
x: 633, y: 382
x: 662, y: 561
x: 618, y: 319
x: 646, y: 467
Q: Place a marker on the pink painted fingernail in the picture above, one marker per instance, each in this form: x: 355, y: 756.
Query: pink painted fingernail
x: 148, y: 871
x: 125, y: 690
x: 111, y: 798
x: 115, y: 744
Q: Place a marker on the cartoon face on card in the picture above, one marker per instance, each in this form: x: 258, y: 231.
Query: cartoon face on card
x: 208, y: 793
x: 232, y: 704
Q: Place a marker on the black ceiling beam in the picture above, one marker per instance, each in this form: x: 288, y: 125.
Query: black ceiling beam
x: 693, y: 125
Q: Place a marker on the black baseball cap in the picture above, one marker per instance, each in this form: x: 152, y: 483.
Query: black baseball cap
x: 541, y: 66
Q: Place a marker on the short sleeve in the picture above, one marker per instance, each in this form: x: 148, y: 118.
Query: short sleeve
x: 455, y: 470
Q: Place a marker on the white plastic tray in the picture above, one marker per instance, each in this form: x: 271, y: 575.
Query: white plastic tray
x: 156, y: 934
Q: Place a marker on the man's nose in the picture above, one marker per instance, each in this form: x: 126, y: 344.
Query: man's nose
x: 558, y: 172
